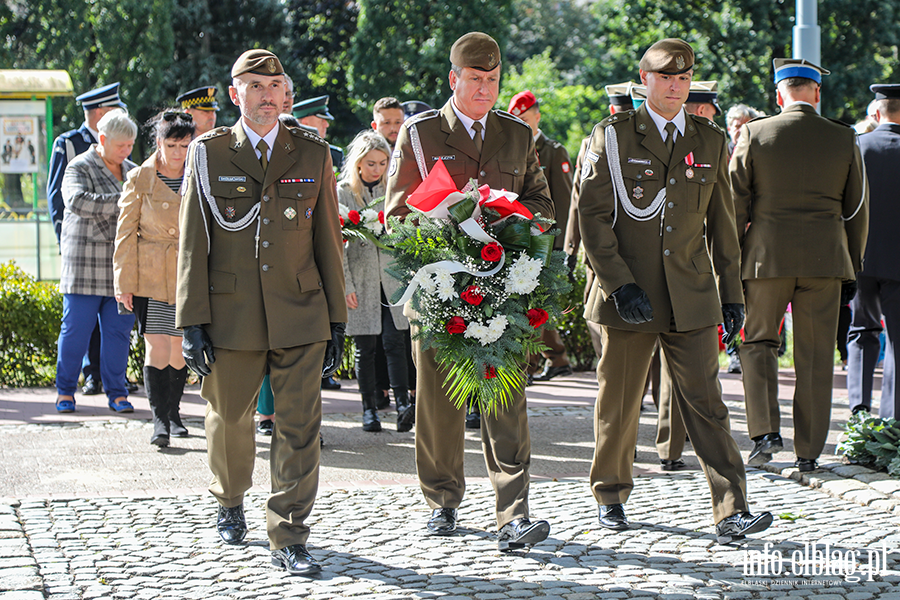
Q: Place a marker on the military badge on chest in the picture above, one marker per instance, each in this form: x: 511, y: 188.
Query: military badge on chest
x: 230, y: 212
x: 638, y: 192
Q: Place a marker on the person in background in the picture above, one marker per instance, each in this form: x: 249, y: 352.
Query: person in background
x: 387, y: 117
x: 288, y: 105
x: 735, y: 118
x: 66, y: 147
x: 313, y: 112
x: 91, y: 189
x: 412, y: 108
x: 201, y: 104
x: 368, y: 287
x: 144, y: 267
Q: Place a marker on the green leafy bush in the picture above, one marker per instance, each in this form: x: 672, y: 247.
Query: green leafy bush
x: 30, y: 318
x: 873, y: 442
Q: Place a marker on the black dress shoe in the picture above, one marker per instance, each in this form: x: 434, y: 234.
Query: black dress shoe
x: 763, y: 449
x: 265, y: 427
x: 231, y: 525
x: 296, y: 560
x: 92, y: 387
x: 805, y: 465
x: 737, y: 526
x: 442, y: 521
x: 521, y: 533
x: 671, y: 465
x: 861, y: 408
x: 550, y: 372
x: 328, y: 383
x: 613, y: 517
x: 131, y: 386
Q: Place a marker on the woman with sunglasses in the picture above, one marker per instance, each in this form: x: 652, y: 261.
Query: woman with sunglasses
x: 145, y: 259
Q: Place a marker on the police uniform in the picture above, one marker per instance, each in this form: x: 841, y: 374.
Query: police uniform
x: 663, y: 223
x: 318, y: 107
x: 202, y: 105
x: 802, y: 212
x: 879, y: 281
x: 507, y: 161
x: 260, y: 269
x: 554, y: 160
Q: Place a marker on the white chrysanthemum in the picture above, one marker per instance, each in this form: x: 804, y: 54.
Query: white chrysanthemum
x: 343, y: 210
x: 478, y: 331
x: 426, y: 282
x: 487, y: 334
x: 444, y: 283
x: 497, y: 326
x: 523, y: 275
x: 370, y: 221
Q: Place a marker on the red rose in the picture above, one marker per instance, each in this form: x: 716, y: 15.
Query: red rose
x: 354, y: 217
x: 537, y: 317
x: 492, y: 252
x: 342, y: 221
x: 489, y: 372
x: 472, y: 295
x: 455, y: 325
x: 381, y: 217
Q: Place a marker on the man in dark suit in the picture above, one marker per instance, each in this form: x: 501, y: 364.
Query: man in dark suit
x: 497, y: 149
x: 67, y: 146
x: 656, y: 217
x: 801, y: 206
x: 261, y: 285
x: 879, y: 281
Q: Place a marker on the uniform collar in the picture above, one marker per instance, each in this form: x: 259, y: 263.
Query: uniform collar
x: 538, y: 135
x: 94, y: 134
x: 468, y: 121
x: 254, y: 138
x: 661, y: 121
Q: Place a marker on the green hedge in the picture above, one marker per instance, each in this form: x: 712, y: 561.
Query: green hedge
x: 872, y: 442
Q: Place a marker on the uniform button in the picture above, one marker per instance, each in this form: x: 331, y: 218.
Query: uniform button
x: 210, y: 288
x: 266, y: 221
x: 265, y: 244
x: 320, y: 284
x: 299, y: 195
x: 671, y: 205
x: 668, y: 228
x: 172, y: 231
x: 515, y: 171
x: 638, y: 175
x: 266, y: 267
x: 165, y: 205
x: 483, y: 174
x: 672, y: 181
x: 265, y: 198
x: 666, y: 253
x: 703, y: 180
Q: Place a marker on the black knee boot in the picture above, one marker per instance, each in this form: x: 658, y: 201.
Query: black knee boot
x: 370, y: 414
x: 406, y: 410
x: 156, y: 384
x: 177, y: 378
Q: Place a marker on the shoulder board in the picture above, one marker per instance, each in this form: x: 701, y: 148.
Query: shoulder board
x: 504, y: 114
x: 618, y: 117
x: 213, y: 133
x: 423, y: 116
x: 839, y: 122
x: 707, y: 122
x: 304, y: 134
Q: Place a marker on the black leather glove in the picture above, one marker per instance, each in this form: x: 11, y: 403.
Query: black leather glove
x: 571, y: 262
x: 848, y: 291
x: 632, y: 304
x: 734, y: 320
x: 194, y: 345
x: 334, y: 349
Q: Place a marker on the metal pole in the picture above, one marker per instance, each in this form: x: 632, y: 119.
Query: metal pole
x: 807, y: 34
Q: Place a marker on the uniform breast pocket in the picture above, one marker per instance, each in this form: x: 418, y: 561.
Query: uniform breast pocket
x: 296, y: 201
x: 512, y: 174
x: 700, y: 188
x: 233, y: 200
x: 641, y: 183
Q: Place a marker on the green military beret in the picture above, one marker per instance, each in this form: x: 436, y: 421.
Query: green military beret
x: 669, y: 57
x: 475, y: 50
x: 258, y: 62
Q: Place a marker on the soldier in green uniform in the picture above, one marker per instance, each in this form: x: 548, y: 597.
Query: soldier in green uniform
x: 261, y: 284
x: 558, y: 170
x: 802, y: 209
x: 497, y: 149
x: 656, y: 216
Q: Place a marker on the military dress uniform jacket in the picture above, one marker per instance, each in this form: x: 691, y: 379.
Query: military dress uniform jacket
x: 259, y: 261
x: 147, y: 236
x: 65, y: 148
x: 558, y: 170
x: 667, y: 254
x: 502, y: 163
x: 798, y: 216
x: 880, y: 150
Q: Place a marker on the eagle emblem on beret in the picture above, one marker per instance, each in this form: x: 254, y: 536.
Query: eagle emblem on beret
x: 491, y: 60
x: 270, y: 64
x: 679, y: 62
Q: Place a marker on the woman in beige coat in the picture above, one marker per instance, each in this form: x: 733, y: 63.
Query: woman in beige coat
x: 145, y: 260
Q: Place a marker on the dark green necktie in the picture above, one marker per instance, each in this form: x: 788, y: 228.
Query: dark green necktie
x: 263, y: 148
x: 477, y: 138
x: 670, y: 139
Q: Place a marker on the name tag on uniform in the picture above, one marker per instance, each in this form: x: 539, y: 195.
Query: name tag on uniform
x: 445, y: 157
x: 232, y: 178
x: 638, y: 161
x: 592, y: 156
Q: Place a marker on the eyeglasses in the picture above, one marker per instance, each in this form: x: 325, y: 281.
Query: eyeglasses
x: 170, y: 116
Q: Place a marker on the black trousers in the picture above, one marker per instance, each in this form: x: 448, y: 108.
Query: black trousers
x: 394, y: 344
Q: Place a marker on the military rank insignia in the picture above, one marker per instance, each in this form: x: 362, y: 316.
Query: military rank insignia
x: 309, y: 213
x: 229, y: 212
x: 638, y: 192
x: 290, y: 213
